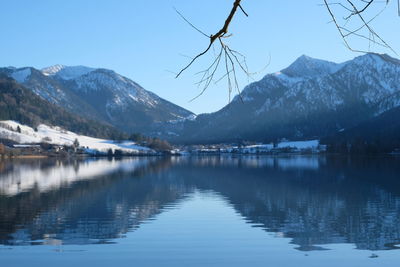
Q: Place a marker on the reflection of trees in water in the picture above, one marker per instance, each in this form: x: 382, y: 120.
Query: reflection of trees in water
x: 344, y: 201
x: 100, y: 208
x: 314, y: 201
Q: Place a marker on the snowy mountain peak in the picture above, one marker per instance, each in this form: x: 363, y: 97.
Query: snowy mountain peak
x: 374, y: 59
x: 305, y: 58
x: 309, y: 98
x: 390, y: 59
x: 66, y: 72
x: 306, y: 66
x: 52, y: 70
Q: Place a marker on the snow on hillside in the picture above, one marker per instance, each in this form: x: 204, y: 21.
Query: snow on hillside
x: 52, y: 70
x: 124, y: 91
x: 59, y: 136
x: 66, y: 72
x: 306, y: 66
x: 311, y: 144
x: 297, y: 145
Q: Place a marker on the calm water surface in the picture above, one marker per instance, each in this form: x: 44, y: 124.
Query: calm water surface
x: 201, y: 211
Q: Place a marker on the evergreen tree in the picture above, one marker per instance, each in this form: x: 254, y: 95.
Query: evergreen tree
x: 76, y: 143
x: 2, y: 149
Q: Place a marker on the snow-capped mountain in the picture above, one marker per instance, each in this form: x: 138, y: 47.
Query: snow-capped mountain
x: 20, y: 104
x: 306, y: 66
x: 310, y: 98
x: 99, y: 94
x: 65, y: 72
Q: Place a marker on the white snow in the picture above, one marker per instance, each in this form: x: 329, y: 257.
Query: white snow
x: 181, y: 119
x: 257, y: 148
x: 124, y: 90
x: 58, y: 136
x: 311, y: 144
x: 298, y: 145
x: 288, y: 79
x: 52, y: 70
x: 20, y: 75
x: 66, y: 72
x: 191, y: 117
x: 311, y: 67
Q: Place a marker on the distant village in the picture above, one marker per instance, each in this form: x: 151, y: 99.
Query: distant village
x: 10, y: 150
x: 283, y: 147
x: 54, y: 150
x: 19, y: 140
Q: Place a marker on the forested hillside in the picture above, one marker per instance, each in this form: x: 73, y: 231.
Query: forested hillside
x: 19, y: 104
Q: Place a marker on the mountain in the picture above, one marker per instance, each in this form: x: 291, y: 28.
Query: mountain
x: 378, y: 134
x: 311, y: 98
x: 306, y: 66
x: 65, y: 72
x: 20, y: 104
x: 99, y: 94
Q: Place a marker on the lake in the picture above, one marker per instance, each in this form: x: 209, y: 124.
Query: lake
x: 201, y: 211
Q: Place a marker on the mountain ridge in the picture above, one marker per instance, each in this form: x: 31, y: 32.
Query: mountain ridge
x: 310, y: 105
x: 311, y: 98
x: 20, y: 104
x: 99, y: 94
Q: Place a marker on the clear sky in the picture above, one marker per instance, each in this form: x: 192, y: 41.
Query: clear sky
x: 146, y: 40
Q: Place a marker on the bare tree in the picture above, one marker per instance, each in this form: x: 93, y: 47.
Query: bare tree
x: 352, y: 18
x: 230, y: 59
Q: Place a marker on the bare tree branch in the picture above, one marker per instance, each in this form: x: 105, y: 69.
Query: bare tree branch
x: 398, y: 8
x: 213, y: 37
x: 244, y: 12
x: 352, y: 18
x: 356, y: 12
x: 188, y: 22
x: 363, y: 28
x: 228, y: 56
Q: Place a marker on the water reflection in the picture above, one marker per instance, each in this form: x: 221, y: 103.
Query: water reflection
x: 315, y: 201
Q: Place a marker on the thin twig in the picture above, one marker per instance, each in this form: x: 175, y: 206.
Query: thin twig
x: 219, y: 34
x: 371, y: 35
x: 244, y: 12
x: 188, y: 22
x: 230, y: 57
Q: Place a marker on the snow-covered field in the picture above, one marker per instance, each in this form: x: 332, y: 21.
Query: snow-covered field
x: 311, y: 144
x: 58, y: 136
x: 299, y: 145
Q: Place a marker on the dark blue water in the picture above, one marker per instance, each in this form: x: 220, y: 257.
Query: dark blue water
x: 201, y: 211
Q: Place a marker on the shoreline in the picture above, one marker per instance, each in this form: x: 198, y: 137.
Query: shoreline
x: 198, y: 155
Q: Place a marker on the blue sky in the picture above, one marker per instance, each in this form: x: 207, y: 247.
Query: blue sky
x: 147, y: 40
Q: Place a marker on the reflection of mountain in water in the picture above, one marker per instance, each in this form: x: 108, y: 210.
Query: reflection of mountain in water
x: 314, y: 201
x: 45, y: 175
x: 91, y: 210
x: 341, y: 202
